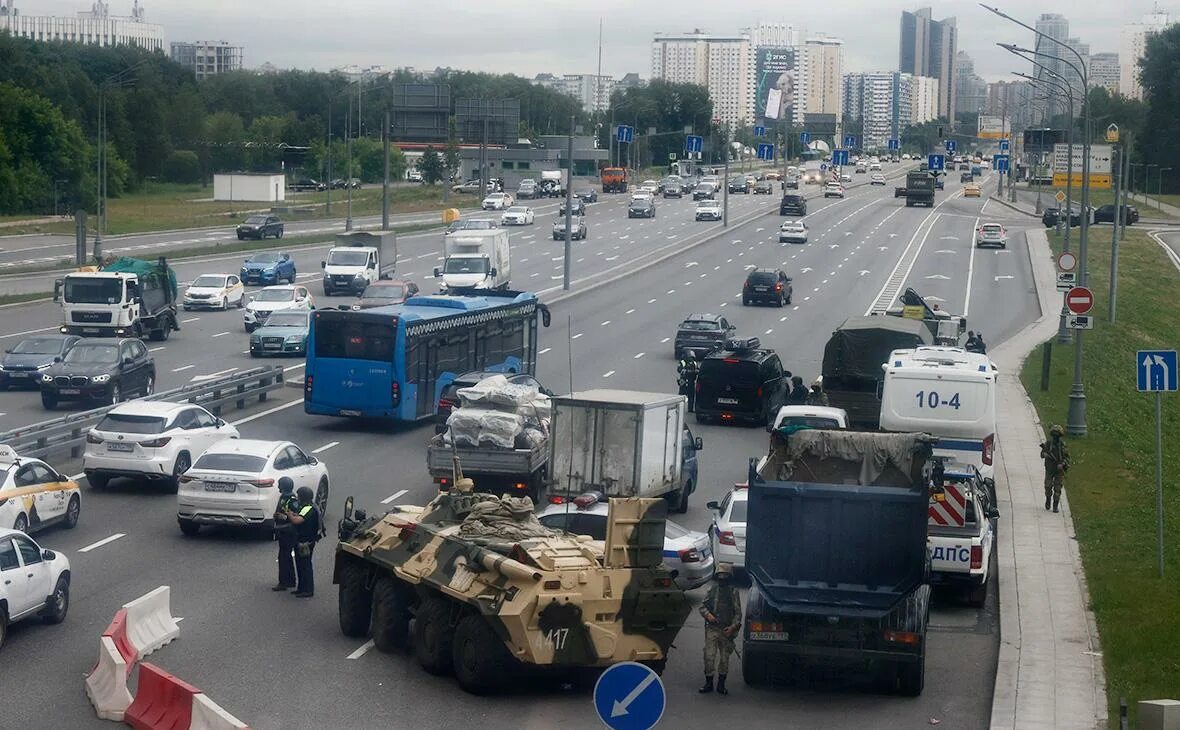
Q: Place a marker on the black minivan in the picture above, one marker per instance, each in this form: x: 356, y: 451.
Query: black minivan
x: 793, y: 204
x: 744, y: 383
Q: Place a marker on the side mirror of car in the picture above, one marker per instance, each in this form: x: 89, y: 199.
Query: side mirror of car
x: 57, y: 358
x: 713, y: 506
x: 492, y: 272
x: 48, y: 555
x: 220, y: 422
x: 993, y: 513
x: 323, y: 264
x: 698, y: 444
x: 437, y: 272
x: 312, y: 460
x: 57, y: 285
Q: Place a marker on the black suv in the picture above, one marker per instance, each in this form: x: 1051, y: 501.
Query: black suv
x: 1105, y: 214
x: 792, y: 204
x: 743, y: 382
x: 768, y: 286
x: 705, y: 191
x: 260, y: 227
x: 105, y: 370
x: 738, y: 185
x: 701, y: 334
x: 641, y: 208
x: 966, y: 177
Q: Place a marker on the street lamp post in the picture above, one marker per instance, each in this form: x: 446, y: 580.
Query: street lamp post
x: 56, y: 197
x: 1159, y: 189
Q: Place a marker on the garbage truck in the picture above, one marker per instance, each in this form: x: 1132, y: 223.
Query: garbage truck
x: 125, y: 297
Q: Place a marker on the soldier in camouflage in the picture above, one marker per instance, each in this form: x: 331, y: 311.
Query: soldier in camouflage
x: 1056, y: 457
x: 722, y: 610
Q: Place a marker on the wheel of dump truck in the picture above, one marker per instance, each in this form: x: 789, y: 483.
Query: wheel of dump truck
x: 356, y: 600
x: 753, y: 669
x: 911, y: 677
x: 390, y: 622
x: 433, y: 634
x: 482, y: 664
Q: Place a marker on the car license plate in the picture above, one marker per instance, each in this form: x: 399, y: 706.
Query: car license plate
x: 273, y: 347
x: 119, y: 447
x: 90, y: 330
x: 728, y: 401
x: 221, y: 487
x: 70, y: 391
x: 350, y: 413
x: 761, y: 288
x: 18, y: 375
x: 768, y: 635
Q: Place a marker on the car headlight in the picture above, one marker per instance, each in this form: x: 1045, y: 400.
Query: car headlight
x: 46, y: 378
x: 100, y: 378
x: 255, y: 339
x: 46, y: 366
x: 296, y: 338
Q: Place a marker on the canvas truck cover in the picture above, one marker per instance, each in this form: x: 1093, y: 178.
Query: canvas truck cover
x: 150, y: 273
x: 860, y: 345
x: 837, y: 520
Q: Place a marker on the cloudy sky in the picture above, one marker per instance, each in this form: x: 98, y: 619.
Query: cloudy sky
x: 527, y: 37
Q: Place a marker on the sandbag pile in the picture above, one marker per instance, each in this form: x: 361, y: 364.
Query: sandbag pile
x: 496, y: 413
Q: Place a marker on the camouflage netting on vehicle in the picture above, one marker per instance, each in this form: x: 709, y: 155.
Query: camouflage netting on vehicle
x: 507, y: 518
x: 850, y: 457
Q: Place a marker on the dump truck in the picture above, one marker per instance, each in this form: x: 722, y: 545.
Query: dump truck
x: 837, y: 556
x: 614, y: 180
x: 919, y: 189
x: 853, y: 357
x: 499, y: 599
x: 125, y: 297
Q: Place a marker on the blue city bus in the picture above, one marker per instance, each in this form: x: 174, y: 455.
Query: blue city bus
x: 393, y: 362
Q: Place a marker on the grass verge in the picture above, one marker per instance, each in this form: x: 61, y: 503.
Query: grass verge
x: 1112, y: 484
x: 26, y: 297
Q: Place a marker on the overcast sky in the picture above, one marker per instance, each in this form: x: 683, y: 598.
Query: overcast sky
x: 528, y: 37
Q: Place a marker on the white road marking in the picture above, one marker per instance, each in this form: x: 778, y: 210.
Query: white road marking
x: 971, y: 268
x: 577, y: 336
x: 651, y: 301
x: 629, y: 311
x: 770, y: 330
x: 608, y: 373
x: 665, y: 340
x: 190, y: 319
x: 605, y: 323
x: 360, y: 652
x: 637, y: 356
x: 393, y: 496
x: 182, y: 368
x: 547, y: 349
x: 101, y: 542
x: 161, y: 347
x: 325, y: 447
x: 220, y: 334
x: 267, y: 412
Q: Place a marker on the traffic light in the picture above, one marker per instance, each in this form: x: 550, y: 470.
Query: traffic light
x: 940, y: 133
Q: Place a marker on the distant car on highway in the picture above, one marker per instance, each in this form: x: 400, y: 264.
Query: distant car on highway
x: 705, y: 191
x: 792, y: 204
x: 708, y: 210
x: 764, y: 187
x: 1052, y: 216
x: 283, y: 333
x: 527, y: 189
x: 737, y: 184
x: 792, y: 232
x: 414, y: 175
x: 700, y: 334
x: 43, y: 588
x: 100, y: 370
x: 767, y: 285
x: 972, y: 190
x: 577, y: 207
x: 518, y: 215
x: 641, y: 208
x: 833, y: 190
x: 577, y: 228
x: 876, y: 179
x: 214, y: 291
x: 34, y: 495
x: 587, y: 195
x: 308, y: 185
x: 991, y: 234
x: 384, y: 293
x: 497, y: 201
x: 260, y: 227
x: 1105, y: 214
x: 268, y: 267
x: 845, y: 177
x: 471, y: 224
x: 274, y: 299
x: 21, y: 367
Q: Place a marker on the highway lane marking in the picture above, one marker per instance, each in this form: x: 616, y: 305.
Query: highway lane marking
x: 325, y: 447
x: 360, y: 652
x: 183, y: 368
x: 637, y: 356
x: 547, y: 349
x: 665, y: 340
x: 577, y: 336
x: 101, y: 542
x: 629, y: 311
x: 30, y: 332
x: 393, y: 496
x: 651, y: 301
x: 770, y: 330
x: 190, y: 319
x: 267, y: 412
x: 605, y: 323
x: 608, y: 373
x: 970, y: 269
x: 220, y: 334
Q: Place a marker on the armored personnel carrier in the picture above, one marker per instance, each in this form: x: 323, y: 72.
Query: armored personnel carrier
x: 473, y: 584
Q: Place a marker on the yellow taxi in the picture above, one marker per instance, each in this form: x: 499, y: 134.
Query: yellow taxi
x: 33, y: 495
x: 972, y: 190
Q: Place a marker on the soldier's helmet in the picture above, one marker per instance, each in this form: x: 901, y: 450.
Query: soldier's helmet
x: 723, y: 570
x: 1056, y: 430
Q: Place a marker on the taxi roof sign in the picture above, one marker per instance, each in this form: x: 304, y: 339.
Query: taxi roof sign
x: 8, y: 455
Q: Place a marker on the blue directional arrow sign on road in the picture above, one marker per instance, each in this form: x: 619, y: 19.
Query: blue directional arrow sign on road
x: 936, y: 162
x: 849, y: 141
x: 840, y: 157
x: 950, y: 145
x: 765, y: 151
x: 895, y: 144
x: 1157, y: 370
x: 1000, y: 163
x: 805, y: 137
x: 759, y: 131
x: 629, y: 696
x: 693, y: 143
x: 1003, y: 145
x: 625, y: 134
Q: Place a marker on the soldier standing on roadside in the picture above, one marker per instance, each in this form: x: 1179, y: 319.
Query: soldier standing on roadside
x: 1056, y: 457
x: 722, y: 609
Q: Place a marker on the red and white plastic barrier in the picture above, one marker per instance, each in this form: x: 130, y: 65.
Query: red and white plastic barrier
x: 149, y: 621
x: 165, y: 702
x: 208, y: 715
x: 106, y: 684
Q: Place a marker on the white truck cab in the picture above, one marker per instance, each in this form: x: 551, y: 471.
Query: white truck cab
x: 358, y: 259
x: 946, y: 392
x: 475, y: 259
x: 126, y: 298
x: 961, y: 529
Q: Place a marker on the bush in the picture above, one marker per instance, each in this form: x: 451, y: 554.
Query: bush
x: 182, y: 166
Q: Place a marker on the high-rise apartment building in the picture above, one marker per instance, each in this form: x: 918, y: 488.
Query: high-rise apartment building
x: 1015, y: 101
x: 591, y: 90
x: 208, y: 58
x: 924, y: 107
x: 928, y: 47
x: 720, y: 63
x: 823, y: 76
x: 1104, y: 71
x: 1134, y: 43
x: 96, y: 27
x: 1055, y: 26
x: 883, y: 102
x: 777, y: 49
x: 970, y: 90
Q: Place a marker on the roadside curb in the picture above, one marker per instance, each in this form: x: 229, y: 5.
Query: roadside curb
x: 1012, y: 206
x: 1049, y: 672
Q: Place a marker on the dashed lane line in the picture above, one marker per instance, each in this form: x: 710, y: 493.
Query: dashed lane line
x: 325, y: 447
x: 393, y: 496
x: 361, y: 650
x: 100, y: 543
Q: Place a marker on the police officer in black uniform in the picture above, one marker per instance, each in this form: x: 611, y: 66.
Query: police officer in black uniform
x: 285, y: 534
x: 307, y: 532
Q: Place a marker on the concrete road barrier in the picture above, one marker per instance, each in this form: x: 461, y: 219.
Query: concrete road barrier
x: 106, y: 684
x: 149, y: 621
x: 208, y: 715
x: 162, y: 701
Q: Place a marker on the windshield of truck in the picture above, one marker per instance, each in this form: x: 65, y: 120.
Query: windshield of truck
x: 208, y: 282
x: 344, y: 257
x: 93, y: 290
x: 287, y: 319
x: 92, y: 353
x: 466, y: 266
x: 37, y: 346
x: 275, y: 295
x: 263, y: 258
x: 732, y: 371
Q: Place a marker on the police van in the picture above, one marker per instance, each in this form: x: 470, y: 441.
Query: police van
x: 946, y: 392
x: 961, y: 529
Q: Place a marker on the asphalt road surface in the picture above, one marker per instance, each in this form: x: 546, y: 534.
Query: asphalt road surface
x: 279, y: 662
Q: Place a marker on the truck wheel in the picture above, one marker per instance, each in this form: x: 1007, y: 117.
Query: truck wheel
x: 433, y: 635
x: 681, y: 505
x: 482, y: 664
x: 753, y: 670
x: 355, y: 601
x: 390, y: 622
x: 911, y: 677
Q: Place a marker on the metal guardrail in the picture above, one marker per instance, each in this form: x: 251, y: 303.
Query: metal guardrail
x: 68, y: 433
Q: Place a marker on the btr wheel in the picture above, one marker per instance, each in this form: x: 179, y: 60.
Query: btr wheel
x: 433, y: 634
x: 355, y: 601
x: 390, y: 615
x: 482, y: 663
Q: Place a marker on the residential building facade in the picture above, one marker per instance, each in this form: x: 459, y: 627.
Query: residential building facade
x: 96, y: 27
x: 823, y: 76
x: 720, y: 63
x: 1104, y: 71
x: 924, y: 95
x: 929, y: 47
x: 1134, y: 43
x: 885, y: 105
x: 591, y: 90
x: 970, y: 90
x: 208, y: 58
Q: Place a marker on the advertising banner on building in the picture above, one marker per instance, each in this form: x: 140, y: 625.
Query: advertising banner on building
x: 1100, y: 165
x: 993, y: 128
x: 775, y: 77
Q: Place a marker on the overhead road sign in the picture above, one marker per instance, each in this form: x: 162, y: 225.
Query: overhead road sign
x: 693, y: 143
x: 1079, y: 300
x: 629, y: 696
x: 765, y: 151
x: 1000, y: 163
x: 936, y: 163
x: 1157, y: 371
x: 1003, y: 145
x: 759, y: 131
x: 805, y: 137
x: 895, y: 144
x: 951, y: 146
x: 849, y: 141
x: 625, y: 134
x: 840, y: 157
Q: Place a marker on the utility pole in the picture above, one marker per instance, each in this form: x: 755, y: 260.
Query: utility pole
x: 328, y: 207
x: 1126, y: 186
x: 102, y: 149
x: 1115, y: 163
x: 725, y: 181
x: 569, y: 205
x: 385, y: 182
x: 348, y: 153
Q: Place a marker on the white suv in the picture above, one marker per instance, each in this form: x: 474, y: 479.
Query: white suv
x: 33, y: 582
x: 153, y: 439
x: 236, y: 483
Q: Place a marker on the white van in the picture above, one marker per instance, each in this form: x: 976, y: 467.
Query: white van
x: 946, y: 392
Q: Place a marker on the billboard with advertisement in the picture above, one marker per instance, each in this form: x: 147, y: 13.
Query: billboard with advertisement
x: 1100, y: 165
x: 775, y: 79
x: 993, y: 128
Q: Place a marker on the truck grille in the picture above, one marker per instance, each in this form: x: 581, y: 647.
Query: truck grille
x: 68, y: 380
x: 90, y: 317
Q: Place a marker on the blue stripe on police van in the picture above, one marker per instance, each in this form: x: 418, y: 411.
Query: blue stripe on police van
x: 954, y: 445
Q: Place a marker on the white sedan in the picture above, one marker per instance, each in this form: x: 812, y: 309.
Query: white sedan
x: 834, y: 190
x: 214, y: 291
x: 33, y: 581
x: 727, y: 533
x: 517, y: 215
x: 792, y: 232
x: 498, y: 201
x: 33, y: 495
x: 236, y: 483
x: 877, y: 179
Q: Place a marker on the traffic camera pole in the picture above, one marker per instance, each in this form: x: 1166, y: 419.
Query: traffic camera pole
x: 569, y: 204
x: 725, y: 182
x: 385, y: 182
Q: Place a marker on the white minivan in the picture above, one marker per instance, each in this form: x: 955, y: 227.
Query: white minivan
x: 946, y: 392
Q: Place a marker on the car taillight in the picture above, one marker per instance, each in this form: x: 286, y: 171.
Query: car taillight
x: 759, y: 391
x: 92, y: 438
x: 261, y: 483
x: 778, y: 287
x: 395, y: 394
x: 307, y: 386
x: 445, y: 404
x: 691, y: 555
x: 556, y: 499
x: 976, y: 557
x: 988, y: 448
x: 725, y: 537
x: 156, y: 443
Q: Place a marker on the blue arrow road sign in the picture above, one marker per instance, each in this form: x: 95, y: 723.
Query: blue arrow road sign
x: 849, y: 141
x: 823, y: 167
x: 1000, y: 163
x: 895, y: 144
x: 766, y: 151
x: 805, y: 137
x: 625, y: 133
x: 936, y: 162
x: 1157, y: 370
x: 629, y: 696
x: 693, y: 143
x: 1003, y: 145
x: 759, y: 131
x: 840, y: 157
x: 950, y: 145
